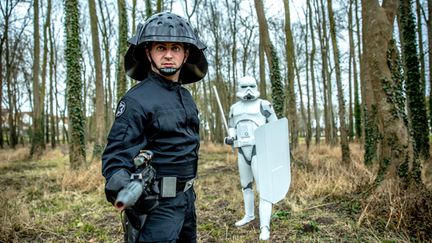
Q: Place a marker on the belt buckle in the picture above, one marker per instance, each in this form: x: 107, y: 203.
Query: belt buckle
x: 168, y: 187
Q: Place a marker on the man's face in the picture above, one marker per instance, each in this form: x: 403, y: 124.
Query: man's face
x: 167, y: 55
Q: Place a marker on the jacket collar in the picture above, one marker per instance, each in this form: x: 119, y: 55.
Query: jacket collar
x: 163, y: 81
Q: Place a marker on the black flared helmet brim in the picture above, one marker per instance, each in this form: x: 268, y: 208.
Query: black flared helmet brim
x: 137, y: 65
x: 160, y: 28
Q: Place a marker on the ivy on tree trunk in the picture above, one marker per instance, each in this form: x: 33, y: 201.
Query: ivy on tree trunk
x: 74, y: 85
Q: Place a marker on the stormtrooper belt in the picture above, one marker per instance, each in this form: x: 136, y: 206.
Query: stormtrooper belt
x: 170, y: 186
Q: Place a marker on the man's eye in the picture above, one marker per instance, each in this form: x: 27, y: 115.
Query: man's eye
x: 176, y: 49
x: 160, y: 48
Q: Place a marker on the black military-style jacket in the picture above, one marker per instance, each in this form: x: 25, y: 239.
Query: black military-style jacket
x: 158, y: 115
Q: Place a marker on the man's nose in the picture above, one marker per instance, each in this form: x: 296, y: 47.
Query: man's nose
x: 168, y: 54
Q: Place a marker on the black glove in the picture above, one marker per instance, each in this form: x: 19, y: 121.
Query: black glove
x: 229, y: 140
x: 115, y: 183
x: 148, y: 200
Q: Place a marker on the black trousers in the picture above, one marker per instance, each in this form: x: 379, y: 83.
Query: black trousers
x: 174, y: 220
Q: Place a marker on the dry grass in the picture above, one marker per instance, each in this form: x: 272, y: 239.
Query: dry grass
x: 320, y: 174
x: 11, y: 155
x: 45, y: 201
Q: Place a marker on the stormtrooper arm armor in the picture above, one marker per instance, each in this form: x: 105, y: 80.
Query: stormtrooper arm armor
x: 231, y: 136
x: 268, y: 111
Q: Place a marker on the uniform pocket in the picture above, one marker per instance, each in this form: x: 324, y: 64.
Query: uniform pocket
x: 118, y: 131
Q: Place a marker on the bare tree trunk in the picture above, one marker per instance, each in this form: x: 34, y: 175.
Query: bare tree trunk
x: 302, y: 108
x: 232, y: 17
x: 134, y: 3
x: 100, y: 96
x: 109, y: 91
x: 57, y: 107
x: 246, y: 45
x: 262, y: 84
x: 214, y: 23
x: 6, y: 14
x: 10, y: 93
x: 362, y: 85
x: 308, y: 108
x: 356, y: 123
x: 312, y: 70
x: 44, y: 71
x: 38, y: 144
x: 429, y: 34
x: 122, y: 48
x: 324, y: 74
x: 420, y: 45
x: 290, y: 93
x: 343, y: 130
x: 159, y: 6
x: 148, y: 7
x: 51, y: 89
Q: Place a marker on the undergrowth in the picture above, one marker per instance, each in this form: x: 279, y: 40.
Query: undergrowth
x: 46, y: 201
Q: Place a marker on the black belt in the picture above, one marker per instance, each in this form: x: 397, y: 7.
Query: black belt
x: 180, y: 186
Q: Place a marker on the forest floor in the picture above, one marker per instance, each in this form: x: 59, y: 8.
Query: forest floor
x: 45, y: 201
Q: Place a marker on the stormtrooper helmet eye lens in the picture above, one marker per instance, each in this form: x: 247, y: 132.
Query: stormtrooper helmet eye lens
x: 243, y: 86
x: 252, y: 86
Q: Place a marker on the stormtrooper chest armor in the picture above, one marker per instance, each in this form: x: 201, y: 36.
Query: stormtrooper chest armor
x: 247, y: 117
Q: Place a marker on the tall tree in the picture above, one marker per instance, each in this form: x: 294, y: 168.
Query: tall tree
x: 148, y: 7
x: 305, y: 29
x: 277, y: 97
x: 77, y: 154
x: 5, y: 18
x: 325, y: 74
x: 342, y: 123
x: 312, y: 70
x: 361, y: 81
x: 420, y: 46
x: 416, y: 103
x: 429, y: 34
x: 53, y: 116
x: 6, y: 8
x: 159, y: 6
x: 232, y: 8
x: 290, y: 55
x: 395, y: 153
x: 394, y: 140
x: 122, y: 48
x: 100, y: 96
x: 105, y: 31
x: 214, y: 20
x: 43, y: 97
x: 357, y: 126
x: 38, y: 144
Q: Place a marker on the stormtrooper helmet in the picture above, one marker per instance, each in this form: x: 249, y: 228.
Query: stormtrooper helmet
x: 247, y: 88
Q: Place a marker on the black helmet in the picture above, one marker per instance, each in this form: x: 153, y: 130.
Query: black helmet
x: 166, y: 27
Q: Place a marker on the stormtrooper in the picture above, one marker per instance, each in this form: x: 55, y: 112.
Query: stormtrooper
x: 245, y: 116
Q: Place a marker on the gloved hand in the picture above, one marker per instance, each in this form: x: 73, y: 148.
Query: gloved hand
x: 115, y: 183
x: 229, y: 140
x: 148, y: 200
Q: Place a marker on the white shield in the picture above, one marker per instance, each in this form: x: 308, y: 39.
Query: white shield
x: 273, y: 160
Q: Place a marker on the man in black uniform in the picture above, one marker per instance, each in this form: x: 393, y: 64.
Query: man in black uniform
x: 159, y: 115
